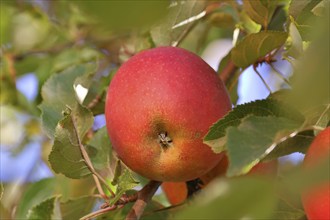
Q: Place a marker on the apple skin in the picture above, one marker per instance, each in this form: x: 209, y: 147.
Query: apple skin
x: 177, y: 193
x: 316, y: 200
x: 169, y: 94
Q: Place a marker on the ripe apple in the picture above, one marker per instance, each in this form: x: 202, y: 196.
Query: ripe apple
x: 176, y: 192
x: 316, y: 200
x: 159, y: 106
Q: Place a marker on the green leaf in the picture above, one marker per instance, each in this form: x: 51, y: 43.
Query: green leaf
x: 77, y: 208
x: 286, y: 211
x: 117, y: 173
x: 260, y: 11
x: 298, y: 143
x: 58, y: 92
x: 102, y: 144
x: 125, y: 183
x: 255, y: 138
x: 224, y: 62
x: 216, y: 137
x: 298, y: 7
x: 7, y: 14
x: 301, y: 11
x: 33, y: 195
x: 46, y: 210
x: 318, y: 116
x: 279, y: 18
x: 181, y: 17
x: 294, y: 43
x: 66, y: 157
x: 96, y: 87
x: 232, y: 199
x: 311, y: 86
x: 224, y: 17
x: 74, y: 56
x: 255, y: 46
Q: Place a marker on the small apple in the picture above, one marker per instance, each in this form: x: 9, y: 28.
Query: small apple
x: 159, y: 106
x: 177, y: 192
x: 316, y: 200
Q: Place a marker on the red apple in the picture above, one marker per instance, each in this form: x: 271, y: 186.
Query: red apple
x: 159, y: 106
x: 316, y: 200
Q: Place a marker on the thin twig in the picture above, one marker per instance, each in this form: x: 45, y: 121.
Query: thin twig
x: 262, y: 79
x: 98, y: 212
x: 144, y: 196
x: 97, y: 177
x: 193, y: 21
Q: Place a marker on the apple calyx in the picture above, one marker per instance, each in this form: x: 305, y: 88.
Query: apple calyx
x: 164, y: 140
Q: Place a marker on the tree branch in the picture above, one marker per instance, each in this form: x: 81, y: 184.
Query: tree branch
x: 228, y: 72
x: 144, y: 196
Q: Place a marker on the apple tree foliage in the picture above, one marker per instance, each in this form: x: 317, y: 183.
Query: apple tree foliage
x: 75, y: 48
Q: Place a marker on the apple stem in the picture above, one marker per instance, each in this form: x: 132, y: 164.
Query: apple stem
x: 143, y: 197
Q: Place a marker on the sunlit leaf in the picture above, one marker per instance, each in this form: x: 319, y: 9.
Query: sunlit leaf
x: 253, y: 139
x: 232, y: 199
x: 66, y: 157
x: 295, y: 43
x: 301, y: 11
x: 181, y: 16
x: 125, y: 182
x: 33, y: 196
x: 255, y: 46
x: 216, y: 137
x: 58, y: 92
x: 74, y: 56
x: 96, y: 87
